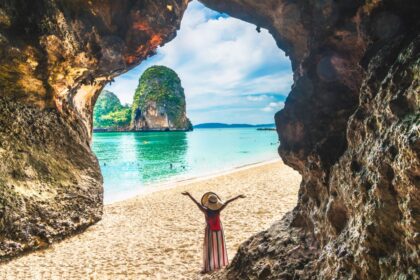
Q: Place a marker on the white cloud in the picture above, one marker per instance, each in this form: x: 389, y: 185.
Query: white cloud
x: 222, y: 62
x: 273, y: 106
x: 257, y: 97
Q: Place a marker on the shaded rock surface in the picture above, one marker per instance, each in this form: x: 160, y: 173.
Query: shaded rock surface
x: 50, y: 183
x: 350, y: 125
x: 159, y: 102
x: 280, y: 252
x: 55, y: 58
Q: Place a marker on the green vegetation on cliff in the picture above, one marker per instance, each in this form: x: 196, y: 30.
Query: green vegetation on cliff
x: 158, y: 104
x: 160, y: 86
x: 109, y: 113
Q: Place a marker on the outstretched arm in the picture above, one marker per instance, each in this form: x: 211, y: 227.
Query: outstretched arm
x: 230, y: 200
x: 195, y: 201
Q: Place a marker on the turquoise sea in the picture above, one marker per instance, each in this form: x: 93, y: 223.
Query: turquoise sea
x: 131, y: 162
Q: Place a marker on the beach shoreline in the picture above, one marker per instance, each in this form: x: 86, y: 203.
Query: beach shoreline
x: 177, y: 181
x: 159, y: 235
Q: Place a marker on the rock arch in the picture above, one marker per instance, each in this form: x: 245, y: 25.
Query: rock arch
x: 350, y: 125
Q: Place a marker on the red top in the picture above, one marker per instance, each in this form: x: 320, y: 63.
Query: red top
x: 213, y: 220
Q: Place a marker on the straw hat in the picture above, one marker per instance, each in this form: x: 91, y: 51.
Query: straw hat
x: 211, y: 201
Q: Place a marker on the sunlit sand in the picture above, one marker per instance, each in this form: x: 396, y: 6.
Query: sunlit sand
x: 159, y: 235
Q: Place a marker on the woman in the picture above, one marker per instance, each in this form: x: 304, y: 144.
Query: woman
x: 214, y: 250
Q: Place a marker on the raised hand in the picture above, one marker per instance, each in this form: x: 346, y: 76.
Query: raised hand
x: 194, y: 200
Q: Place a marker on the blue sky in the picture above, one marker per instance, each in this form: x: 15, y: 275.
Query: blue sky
x: 230, y: 72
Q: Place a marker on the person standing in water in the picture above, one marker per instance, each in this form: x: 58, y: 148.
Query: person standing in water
x: 214, y: 249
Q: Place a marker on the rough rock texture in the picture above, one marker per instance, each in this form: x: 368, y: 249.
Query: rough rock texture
x: 55, y: 58
x: 159, y: 102
x: 280, y: 252
x: 50, y: 183
x: 350, y: 125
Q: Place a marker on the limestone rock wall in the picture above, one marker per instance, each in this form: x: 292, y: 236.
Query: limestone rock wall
x: 370, y: 220
x: 154, y: 117
x: 350, y: 126
x: 50, y: 183
x: 55, y: 58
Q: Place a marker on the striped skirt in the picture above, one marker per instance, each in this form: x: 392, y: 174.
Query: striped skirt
x: 214, y: 251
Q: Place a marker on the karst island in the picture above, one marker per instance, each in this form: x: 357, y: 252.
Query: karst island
x: 158, y: 105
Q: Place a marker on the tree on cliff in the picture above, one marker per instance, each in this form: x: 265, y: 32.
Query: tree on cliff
x: 109, y: 113
x: 159, y: 101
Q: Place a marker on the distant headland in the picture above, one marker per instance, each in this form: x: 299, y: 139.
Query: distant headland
x: 234, y: 125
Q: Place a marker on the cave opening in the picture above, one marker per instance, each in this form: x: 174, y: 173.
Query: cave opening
x: 349, y: 125
x: 231, y: 73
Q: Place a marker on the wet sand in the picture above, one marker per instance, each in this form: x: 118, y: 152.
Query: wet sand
x: 158, y: 235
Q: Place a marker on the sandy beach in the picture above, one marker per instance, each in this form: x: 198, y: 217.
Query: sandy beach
x: 158, y: 235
